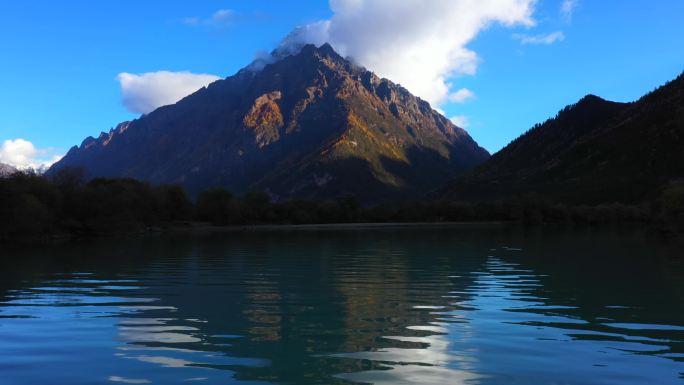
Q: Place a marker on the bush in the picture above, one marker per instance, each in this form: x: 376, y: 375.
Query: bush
x: 670, y: 208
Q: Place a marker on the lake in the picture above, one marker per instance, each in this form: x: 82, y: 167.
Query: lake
x: 424, y: 305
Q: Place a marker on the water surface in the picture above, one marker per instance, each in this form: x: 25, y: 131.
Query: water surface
x: 464, y: 305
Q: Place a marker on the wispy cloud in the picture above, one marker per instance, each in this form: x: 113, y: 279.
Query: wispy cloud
x: 546, y: 39
x: 461, y: 96
x: 22, y: 154
x: 128, y: 380
x: 461, y: 121
x: 568, y: 8
x: 220, y: 18
x: 144, y: 93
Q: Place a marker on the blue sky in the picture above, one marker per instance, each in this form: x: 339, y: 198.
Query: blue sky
x: 61, y: 59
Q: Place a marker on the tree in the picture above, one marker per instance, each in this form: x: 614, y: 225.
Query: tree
x: 173, y: 203
x: 218, y: 206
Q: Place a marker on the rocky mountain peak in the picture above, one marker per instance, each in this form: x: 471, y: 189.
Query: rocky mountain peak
x: 311, y: 125
x: 6, y: 170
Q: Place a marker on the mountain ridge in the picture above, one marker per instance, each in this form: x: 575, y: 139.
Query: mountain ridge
x: 311, y: 125
x: 6, y: 170
x: 594, y: 151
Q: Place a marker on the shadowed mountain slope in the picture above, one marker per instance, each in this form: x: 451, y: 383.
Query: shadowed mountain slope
x: 592, y: 152
x: 312, y: 125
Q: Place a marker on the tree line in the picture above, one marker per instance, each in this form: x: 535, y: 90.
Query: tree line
x: 65, y: 204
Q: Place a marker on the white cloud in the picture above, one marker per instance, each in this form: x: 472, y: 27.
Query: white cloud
x: 461, y: 121
x: 220, y: 18
x: 546, y: 39
x: 146, y: 92
x: 128, y: 380
x: 420, y: 44
x: 568, y: 8
x: 461, y: 96
x: 22, y: 154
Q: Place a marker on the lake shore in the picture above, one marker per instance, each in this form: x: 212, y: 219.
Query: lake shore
x: 184, y: 229
x: 206, y: 228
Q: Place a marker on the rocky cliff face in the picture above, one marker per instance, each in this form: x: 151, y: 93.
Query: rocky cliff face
x: 312, y: 125
x: 593, y: 152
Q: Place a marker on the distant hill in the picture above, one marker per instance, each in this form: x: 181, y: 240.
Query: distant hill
x: 311, y: 125
x: 6, y: 170
x: 592, y: 152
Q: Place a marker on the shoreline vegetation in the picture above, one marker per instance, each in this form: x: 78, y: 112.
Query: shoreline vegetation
x: 66, y: 206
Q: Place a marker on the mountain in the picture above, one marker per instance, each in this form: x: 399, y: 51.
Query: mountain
x: 6, y: 170
x: 311, y: 125
x: 595, y: 151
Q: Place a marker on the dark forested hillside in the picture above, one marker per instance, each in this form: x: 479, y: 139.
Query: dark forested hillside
x: 592, y: 152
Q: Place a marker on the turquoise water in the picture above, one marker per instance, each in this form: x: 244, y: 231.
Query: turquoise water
x: 468, y: 305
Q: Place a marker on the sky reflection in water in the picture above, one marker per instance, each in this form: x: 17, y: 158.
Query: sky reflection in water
x: 457, y: 306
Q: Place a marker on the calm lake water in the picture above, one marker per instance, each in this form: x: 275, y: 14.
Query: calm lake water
x: 469, y: 305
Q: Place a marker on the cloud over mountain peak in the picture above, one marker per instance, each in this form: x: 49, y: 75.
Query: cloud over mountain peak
x: 416, y: 43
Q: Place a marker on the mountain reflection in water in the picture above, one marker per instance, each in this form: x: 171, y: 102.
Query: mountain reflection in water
x: 470, y: 305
